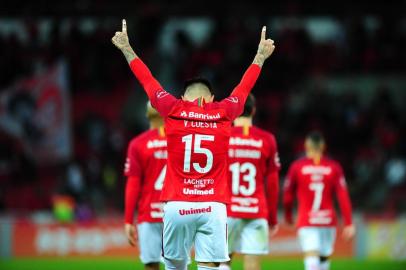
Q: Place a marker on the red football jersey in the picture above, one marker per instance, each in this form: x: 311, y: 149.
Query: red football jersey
x: 253, y: 161
x: 146, y: 162
x: 315, y: 186
x: 198, y: 135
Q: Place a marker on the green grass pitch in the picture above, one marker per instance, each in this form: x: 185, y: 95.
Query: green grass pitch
x: 133, y: 264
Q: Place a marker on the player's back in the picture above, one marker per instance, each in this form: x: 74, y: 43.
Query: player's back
x: 147, y: 155
x: 252, y: 154
x: 198, y: 137
x: 315, y: 185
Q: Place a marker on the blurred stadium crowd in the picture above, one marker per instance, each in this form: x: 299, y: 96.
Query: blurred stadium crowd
x: 343, y: 76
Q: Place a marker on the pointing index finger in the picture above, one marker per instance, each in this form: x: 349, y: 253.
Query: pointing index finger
x: 124, y: 28
x: 263, y: 33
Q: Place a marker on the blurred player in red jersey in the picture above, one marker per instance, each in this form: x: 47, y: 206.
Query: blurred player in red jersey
x: 315, y: 180
x: 145, y: 168
x: 198, y: 131
x: 254, y: 183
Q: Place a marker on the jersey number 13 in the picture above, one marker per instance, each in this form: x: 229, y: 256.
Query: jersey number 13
x: 248, y: 171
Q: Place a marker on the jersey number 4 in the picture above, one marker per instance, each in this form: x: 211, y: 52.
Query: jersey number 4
x: 248, y: 171
x: 159, y: 182
x: 197, y: 149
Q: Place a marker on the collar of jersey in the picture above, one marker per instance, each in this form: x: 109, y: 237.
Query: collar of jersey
x: 199, y: 102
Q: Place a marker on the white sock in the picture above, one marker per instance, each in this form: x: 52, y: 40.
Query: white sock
x: 312, y: 263
x: 224, y: 266
x: 325, y: 265
x: 201, y: 267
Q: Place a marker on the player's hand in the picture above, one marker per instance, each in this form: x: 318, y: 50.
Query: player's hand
x: 349, y: 232
x: 273, y: 230
x: 266, y: 46
x: 120, y: 39
x: 131, y: 234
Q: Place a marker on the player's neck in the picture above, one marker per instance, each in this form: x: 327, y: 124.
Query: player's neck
x: 154, y: 124
x: 243, y: 121
x: 315, y: 156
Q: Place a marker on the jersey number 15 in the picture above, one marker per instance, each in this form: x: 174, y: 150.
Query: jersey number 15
x: 197, y: 149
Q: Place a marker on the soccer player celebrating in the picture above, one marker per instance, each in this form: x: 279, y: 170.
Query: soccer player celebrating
x: 254, y: 183
x: 315, y: 179
x: 198, y: 131
x: 145, y: 168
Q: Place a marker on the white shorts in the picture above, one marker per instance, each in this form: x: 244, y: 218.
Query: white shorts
x: 150, y: 242
x: 319, y: 239
x: 201, y: 223
x: 248, y: 236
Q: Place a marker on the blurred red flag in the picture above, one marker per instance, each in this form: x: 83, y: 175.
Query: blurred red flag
x: 36, y: 112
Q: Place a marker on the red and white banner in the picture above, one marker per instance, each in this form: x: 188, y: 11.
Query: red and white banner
x: 108, y: 239
x: 36, y: 112
x: 90, y: 239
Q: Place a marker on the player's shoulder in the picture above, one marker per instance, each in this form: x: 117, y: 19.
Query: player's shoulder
x: 229, y: 99
x: 300, y: 161
x: 264, y: 133
x: 142, y: 137
x: 297, y: 165
x: 236, y: 131
x: 254, y: 132
x: 215, y: 105
x: 197, y: 107
x: 332, y: 162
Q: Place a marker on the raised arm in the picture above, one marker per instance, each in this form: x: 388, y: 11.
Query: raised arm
x: 161, y: 100
x: 265, y: 49
x: 242, y: 90
x: 122, y: 42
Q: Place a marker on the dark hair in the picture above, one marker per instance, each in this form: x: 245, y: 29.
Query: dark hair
x: 249, y: 106
x: 196, y: 80
x: 316, y: 138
